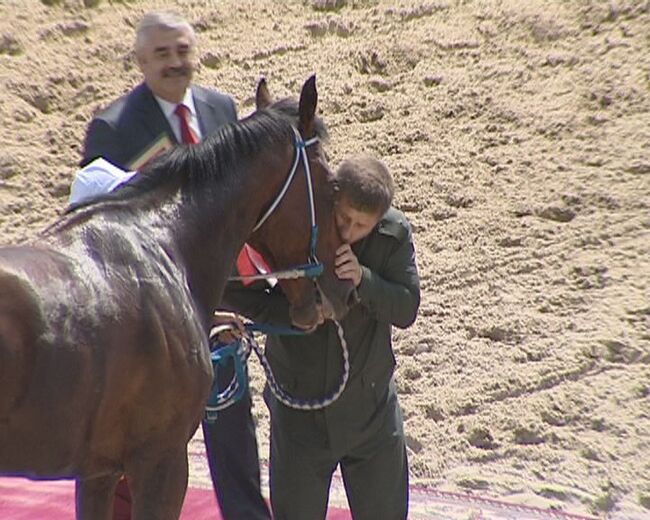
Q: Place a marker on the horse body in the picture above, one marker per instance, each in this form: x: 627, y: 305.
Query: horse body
x: 102, y: 358
x: 104, y: 362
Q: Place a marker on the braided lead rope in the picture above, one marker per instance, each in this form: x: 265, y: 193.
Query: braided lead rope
x: 226, y: 398
x: 306, y: 404
x: 247, y: 342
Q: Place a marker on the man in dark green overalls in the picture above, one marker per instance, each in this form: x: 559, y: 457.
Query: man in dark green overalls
x: 362, y: 430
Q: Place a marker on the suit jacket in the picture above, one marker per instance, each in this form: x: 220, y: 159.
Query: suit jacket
x: 129, y: 126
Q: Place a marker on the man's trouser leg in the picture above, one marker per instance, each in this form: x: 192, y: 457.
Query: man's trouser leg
x: 300, y: 471
x: 376, y: 473
x: 122, y: 501
x: 231, y: 447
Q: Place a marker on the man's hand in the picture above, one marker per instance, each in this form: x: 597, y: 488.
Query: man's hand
x: 228, y: 325
x: 347, y: 265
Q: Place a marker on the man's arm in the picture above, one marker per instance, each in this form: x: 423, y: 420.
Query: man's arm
x: 102, y: 140
x: 232, y: 109
x: 393, y: 295
x: 257, y: 303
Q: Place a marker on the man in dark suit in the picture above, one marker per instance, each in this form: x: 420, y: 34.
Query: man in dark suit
x: 164, y: 110
x: 126, y: 131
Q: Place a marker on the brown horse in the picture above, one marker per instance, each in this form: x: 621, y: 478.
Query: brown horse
x: 104, y: 361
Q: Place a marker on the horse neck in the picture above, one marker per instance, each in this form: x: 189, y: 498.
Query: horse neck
x: 210, y: 239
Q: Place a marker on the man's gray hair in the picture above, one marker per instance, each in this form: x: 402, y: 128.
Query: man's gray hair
x: 162, y: 20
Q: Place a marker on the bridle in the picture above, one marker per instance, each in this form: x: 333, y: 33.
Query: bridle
x: 314, y: 268
x: 240, y: 349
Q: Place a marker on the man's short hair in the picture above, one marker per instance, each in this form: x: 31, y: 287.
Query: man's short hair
x: 160, y: 19
x: 366, y: 184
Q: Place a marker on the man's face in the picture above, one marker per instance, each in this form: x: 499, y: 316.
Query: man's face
x: 353, y: 224
x: 167, y: 61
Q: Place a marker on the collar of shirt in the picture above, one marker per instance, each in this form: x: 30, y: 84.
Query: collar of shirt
x: 168, y: 109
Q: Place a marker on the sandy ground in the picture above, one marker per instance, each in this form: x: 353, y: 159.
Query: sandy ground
x: 518, y: 134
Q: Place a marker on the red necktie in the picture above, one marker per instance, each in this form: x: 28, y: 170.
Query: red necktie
x: 187, y: 134
x: 249, y: 261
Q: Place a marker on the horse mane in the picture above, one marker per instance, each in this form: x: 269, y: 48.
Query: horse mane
x: 221, y: 156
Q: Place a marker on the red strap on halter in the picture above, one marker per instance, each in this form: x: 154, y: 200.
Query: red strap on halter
x: 250, y: 262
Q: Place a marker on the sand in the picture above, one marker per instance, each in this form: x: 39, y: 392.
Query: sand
x: 518, y: 135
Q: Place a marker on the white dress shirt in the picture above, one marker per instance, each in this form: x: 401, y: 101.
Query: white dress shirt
x: 168, y: 109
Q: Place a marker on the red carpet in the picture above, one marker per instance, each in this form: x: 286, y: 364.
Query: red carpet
x: 22, y: 499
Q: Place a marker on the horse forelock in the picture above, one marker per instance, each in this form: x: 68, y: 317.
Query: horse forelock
x: 288, y: 109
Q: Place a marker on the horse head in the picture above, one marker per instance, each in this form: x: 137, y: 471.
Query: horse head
x: 288, y: 234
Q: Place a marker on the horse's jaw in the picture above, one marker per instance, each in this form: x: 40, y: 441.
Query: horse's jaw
x: 306, y: 317
x: 345, y: 297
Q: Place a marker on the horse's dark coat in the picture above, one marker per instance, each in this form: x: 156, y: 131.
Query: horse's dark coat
x: 104, y: 364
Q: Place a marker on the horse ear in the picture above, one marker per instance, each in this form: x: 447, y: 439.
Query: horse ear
x: 307, y: 106
x: 262, y: 95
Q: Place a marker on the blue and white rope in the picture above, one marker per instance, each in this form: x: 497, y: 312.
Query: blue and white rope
x: 247, y: 343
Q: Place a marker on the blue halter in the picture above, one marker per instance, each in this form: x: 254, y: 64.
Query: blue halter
x: 239, y: 350
x: 314, y: 268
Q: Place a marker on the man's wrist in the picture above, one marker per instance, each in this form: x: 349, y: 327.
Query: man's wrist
x: 358, y: 277
x: 364, y: 275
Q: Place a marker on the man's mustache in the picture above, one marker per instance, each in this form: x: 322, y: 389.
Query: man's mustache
x: 177, y: 72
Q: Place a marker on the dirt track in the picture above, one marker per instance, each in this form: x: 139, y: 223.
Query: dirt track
x: 518, y: 134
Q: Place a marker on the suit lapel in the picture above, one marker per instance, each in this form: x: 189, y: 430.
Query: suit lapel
x: 153, y: 117
x: 207, y: 121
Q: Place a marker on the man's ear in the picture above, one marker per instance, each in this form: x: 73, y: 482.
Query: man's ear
x: 336, y: 190
x: 139, y: 59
